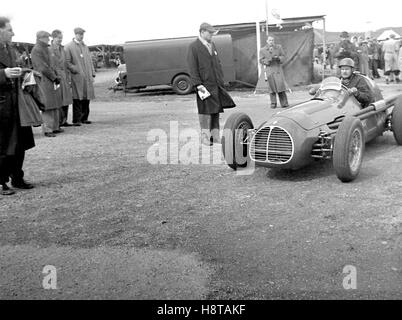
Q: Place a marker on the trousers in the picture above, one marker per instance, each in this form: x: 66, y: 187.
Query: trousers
x: 11, y: 166
x: 209, y: 124
x: 282, y: 98
x: 80, y: 110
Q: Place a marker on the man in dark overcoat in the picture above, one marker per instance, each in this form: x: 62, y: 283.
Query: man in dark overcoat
x: 207, y: 77
x: 272, y: 58
x: 14, y: 139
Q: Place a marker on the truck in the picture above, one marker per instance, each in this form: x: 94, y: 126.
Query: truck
x: 164, y: 62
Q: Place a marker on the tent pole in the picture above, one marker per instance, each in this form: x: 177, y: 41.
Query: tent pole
x: 324, y: 47
x: 258, y: 33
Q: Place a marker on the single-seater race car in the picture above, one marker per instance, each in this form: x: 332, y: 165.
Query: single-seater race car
x: 332, y: 125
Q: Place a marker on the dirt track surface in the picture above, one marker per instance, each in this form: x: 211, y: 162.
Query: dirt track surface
x: 116, y: 226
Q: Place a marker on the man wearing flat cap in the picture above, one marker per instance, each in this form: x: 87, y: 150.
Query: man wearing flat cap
x: 207, y: 77
x: 43, y: 60
x: 79, y: 63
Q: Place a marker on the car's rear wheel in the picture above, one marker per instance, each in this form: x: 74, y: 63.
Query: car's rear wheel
x: 396, y: 121
x: 348, y: 149
x: 234, y: 146
x: 182, y: 84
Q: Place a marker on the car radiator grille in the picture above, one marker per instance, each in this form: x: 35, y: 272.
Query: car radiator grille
x: 272, y: 145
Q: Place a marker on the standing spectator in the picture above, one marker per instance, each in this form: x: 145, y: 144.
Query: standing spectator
x: 14, y: 139
x: 345, y: 49
x: 272, y: 58
x: 207, y: 77
x: 64, y: 74
x: 315, y: 54
x: 331, y: 54
x: 391, y: 49
x: 80, y: 65
x: 363, y: 57
x: 400, y: 59
x: 43, y: 60
x: 374, y: 56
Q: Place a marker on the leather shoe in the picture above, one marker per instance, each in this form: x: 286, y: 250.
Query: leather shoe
x: 6, y: 191
x: 58, y: 131
x: 49, y: 135
x: 77, y: 124
x: 66, y: 125
x: 22, y: 185
x: 87, y: 122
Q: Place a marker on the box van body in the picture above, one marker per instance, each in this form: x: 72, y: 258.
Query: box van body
x: 164, y: 62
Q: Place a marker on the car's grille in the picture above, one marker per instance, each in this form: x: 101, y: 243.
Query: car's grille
x: 271, y: 145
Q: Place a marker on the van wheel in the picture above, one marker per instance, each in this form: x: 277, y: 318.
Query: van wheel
x: 182, y: 84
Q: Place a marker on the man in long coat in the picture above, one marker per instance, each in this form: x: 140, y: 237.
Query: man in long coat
x: 80, y: 65
x: 272, y: 57
x: 390, y: 49
x: 64, y: 74
x: 14, y: 139
x: 207, y: 77
x: 43, y: 61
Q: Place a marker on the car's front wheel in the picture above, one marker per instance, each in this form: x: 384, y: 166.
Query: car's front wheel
x: 348, y: 149
x: 234, y: 144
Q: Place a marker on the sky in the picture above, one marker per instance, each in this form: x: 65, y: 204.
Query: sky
x: 115, y: 22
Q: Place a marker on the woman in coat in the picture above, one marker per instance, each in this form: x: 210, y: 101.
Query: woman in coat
x: 43, y: 61
x: 64, y: 74
x: 272, y: 58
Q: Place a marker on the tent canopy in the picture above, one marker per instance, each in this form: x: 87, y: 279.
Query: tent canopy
x: 386, y: 34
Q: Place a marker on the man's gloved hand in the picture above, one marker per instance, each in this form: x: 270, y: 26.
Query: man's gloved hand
x: 57, y: 81
x: 12, y: 73
x: 353, y: 91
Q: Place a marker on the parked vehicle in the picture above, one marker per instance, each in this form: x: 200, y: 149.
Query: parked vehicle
x: 164, y: 62
x: 332, y: 125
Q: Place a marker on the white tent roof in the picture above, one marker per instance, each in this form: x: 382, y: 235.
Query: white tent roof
x: 386, y: 35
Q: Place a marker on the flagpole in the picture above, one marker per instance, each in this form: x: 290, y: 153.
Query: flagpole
x: 267, y: 14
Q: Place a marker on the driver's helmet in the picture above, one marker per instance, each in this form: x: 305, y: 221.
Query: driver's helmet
x: 348, y: 62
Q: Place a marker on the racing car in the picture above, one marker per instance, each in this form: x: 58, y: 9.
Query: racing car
x: 332, y: 125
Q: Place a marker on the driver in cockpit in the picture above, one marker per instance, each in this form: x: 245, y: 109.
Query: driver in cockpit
x: 356, y: 83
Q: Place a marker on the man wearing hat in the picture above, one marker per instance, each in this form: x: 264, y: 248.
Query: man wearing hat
x: 345, y: 49
x: 14, y: 139
x: 356, y: 84
x: 43, y: 60
x: 79, y: 63
x: 390, y: 48
x: 207, y: 77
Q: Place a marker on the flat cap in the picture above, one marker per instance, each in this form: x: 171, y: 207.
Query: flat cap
x: 79, y: 30
x: 344, y: 34
x: 207, y: 27
x: 42, y: 34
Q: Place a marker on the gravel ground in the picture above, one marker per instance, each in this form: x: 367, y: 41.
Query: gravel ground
x: 118, y: 227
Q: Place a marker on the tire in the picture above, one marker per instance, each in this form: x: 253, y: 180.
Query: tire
x: 182, y: 84
x: 348, y: 149
x: 234, y: 132
x: 396, y: 121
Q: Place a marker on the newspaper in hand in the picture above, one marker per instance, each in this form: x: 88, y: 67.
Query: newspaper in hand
x: 203, y: 93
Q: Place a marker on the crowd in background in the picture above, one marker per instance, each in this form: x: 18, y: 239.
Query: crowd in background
x: 369, y: 55
x: 66, y: 77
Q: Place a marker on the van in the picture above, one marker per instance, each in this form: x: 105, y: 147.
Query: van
x: 164, y: 62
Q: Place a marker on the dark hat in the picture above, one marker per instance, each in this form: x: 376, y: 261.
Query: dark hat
x: 79, y: 30
x: 344, y: 34
x: 42, y: 34
x: 207, y: 27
